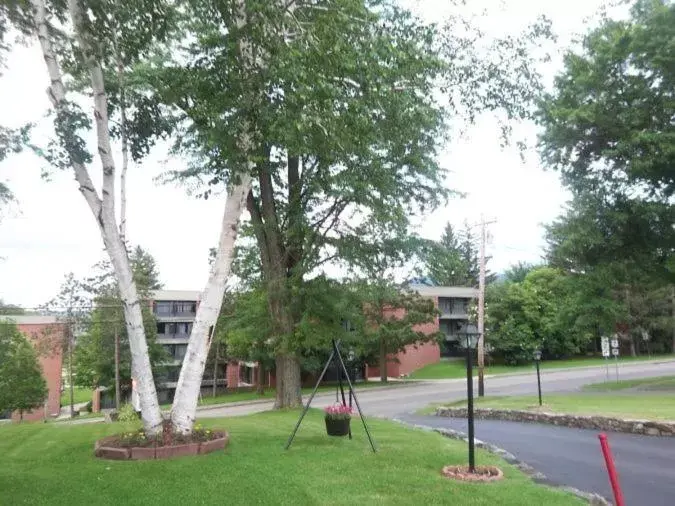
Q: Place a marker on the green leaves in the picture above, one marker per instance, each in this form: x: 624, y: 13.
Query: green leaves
x: 608, y: 122
x: 22, y: 386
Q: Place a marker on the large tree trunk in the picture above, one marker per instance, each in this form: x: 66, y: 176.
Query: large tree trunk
x: 103, y: 208
x: 184, y: 409
x: 383, y: 361
x: 260, y: 387
x: 289, y: 393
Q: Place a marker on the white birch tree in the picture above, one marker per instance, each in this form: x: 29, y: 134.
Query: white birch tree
x: 75, y: 43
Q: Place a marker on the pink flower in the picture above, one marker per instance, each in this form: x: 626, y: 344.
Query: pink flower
x: 338, y: 409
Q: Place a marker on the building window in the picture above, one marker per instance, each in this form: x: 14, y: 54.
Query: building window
x: 163, y: 308
x: 161, y: 328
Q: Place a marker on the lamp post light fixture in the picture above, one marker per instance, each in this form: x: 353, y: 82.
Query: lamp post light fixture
x: 471, y: 342
x: 537, y: 358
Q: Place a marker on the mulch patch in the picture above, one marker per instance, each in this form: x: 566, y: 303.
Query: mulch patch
x: 481, y: 474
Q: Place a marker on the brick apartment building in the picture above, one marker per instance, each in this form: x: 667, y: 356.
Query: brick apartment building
x: 453, y: 304
x: 46, y: 334
x: 175, y: 311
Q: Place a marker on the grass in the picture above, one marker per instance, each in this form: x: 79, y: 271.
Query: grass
x: 255, y: 469
x: 270, y: 393
x: 658, y: 383
x: 80, y: 395
x: 643, y: 407
x: 448, y: 369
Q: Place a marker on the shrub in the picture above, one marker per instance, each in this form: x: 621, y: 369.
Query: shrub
x: 127, y: 414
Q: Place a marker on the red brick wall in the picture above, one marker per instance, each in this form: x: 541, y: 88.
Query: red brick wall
x: 47, y: 339
x: 232, y: 374
x: 411, y: 359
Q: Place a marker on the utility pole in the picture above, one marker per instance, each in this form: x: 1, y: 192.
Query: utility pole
x: 481, y: 307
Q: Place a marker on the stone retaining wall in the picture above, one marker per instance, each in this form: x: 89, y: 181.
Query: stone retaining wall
x: 604, y: 423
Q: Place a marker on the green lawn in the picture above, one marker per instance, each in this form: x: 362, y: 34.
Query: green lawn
x: 53, y: 464
x: 80, y: 395
x: 658, y: 383
x: 208, y: 400
x: 647, y: 407
x: 447, y: 369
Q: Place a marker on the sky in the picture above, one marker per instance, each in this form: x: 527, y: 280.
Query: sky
x: 50, y: 231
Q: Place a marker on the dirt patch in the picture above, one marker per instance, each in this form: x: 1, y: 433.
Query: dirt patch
x: 481, y: 473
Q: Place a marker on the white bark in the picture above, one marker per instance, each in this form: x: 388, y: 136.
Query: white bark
x: 103, y: 208
x: 125, y: 154
x: 184, y: 409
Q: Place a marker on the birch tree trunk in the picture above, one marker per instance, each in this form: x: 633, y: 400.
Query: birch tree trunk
x: 103, y: 208
x: 125, y: 154
x: 184, y: 409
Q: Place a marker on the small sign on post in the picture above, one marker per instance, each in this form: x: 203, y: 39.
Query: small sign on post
x: 615, y: 353
x: 605, y: 353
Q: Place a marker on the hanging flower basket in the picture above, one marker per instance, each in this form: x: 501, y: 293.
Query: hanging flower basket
x: 338, y: 418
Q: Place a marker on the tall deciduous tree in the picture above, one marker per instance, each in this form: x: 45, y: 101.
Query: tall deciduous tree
x: 81, y: 41
x: 344, y: 126
x: 609, y: 120
x: 22, y: 386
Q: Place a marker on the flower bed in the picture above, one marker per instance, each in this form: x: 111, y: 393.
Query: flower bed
x: 139, y: 446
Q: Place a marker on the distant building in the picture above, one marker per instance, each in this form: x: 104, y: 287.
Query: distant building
x: 46, y: 334
x: 175, y: 312
x: 453, y: 304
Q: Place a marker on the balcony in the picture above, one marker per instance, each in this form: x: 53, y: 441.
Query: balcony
x: 173, y: 338
x: 164, y: 310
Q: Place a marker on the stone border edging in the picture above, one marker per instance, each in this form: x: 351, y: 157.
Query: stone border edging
x: 536, y: 476
x: 603, y: 423
x: 158, y: 452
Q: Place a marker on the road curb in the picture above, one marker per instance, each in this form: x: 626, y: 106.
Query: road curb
x: 536, y: 476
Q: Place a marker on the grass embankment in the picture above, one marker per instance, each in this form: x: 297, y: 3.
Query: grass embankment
x: 642, y: 407
x: 448, y: 369
x: 255, y: 469
x: 80, y: 395
x: 270, y: 393
x: 659, y: 383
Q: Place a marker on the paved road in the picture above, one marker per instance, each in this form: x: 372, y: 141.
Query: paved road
x: 646, y: 465
x: 388, y: 403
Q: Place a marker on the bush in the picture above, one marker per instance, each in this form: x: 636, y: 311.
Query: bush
x: 127, y: 414
x: 87, y: 407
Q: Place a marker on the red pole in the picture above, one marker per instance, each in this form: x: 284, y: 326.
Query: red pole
x: 611, y: 470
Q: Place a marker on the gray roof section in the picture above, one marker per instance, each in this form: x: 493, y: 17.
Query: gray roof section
x: 29, y: 319
x: 191, y: 295
x: 460, y: 292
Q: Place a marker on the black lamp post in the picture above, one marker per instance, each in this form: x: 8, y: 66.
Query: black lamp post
x: 471, y: 341
x: 537, y: 358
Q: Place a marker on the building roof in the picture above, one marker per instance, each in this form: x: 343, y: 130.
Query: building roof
x: 464, y: 292
x: 177, y: 295
x: 29, y: 319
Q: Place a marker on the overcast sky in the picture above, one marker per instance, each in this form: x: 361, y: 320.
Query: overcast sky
x: 51, y: 231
